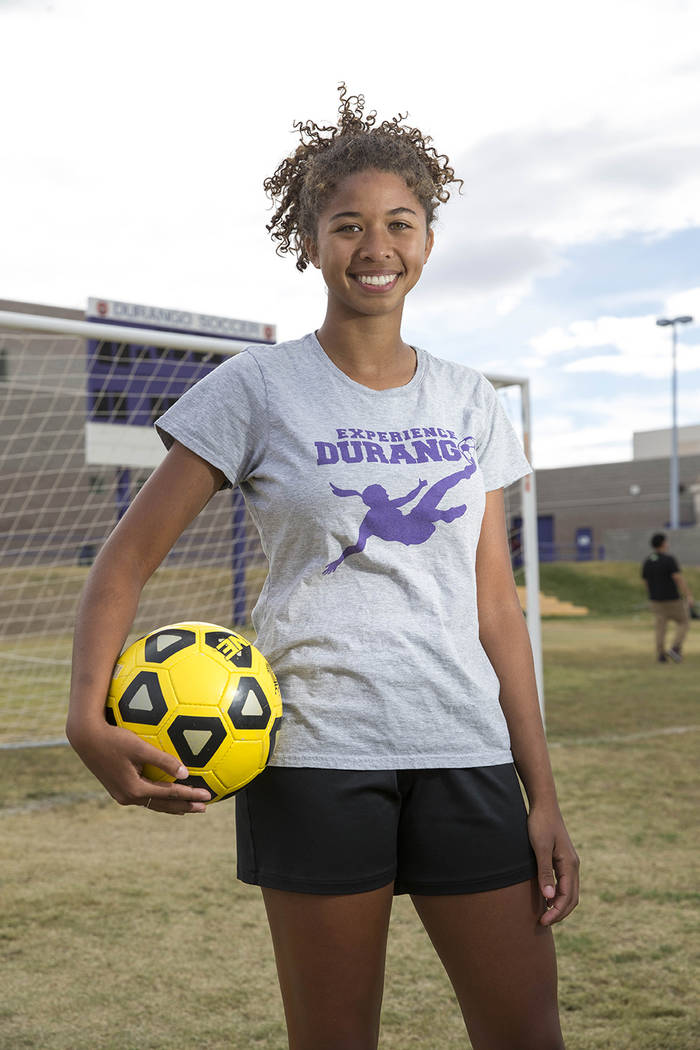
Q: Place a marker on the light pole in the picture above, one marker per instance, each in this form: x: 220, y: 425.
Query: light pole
x: 674, y: 481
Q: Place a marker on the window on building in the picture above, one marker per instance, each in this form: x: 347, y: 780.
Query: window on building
x: 109, y: 353
x: 112, y: 407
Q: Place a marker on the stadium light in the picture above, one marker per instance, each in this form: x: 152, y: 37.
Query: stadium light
x: 674, y: 507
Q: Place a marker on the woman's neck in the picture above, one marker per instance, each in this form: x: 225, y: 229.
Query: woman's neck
x: 373, y: 354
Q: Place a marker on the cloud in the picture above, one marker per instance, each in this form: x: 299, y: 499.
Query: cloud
x: 577, y: 183
x: 585, y: 429
x: 531, y: 195
x: 631, y: 346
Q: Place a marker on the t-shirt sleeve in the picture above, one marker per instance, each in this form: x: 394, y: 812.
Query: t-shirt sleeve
x: 498, y: 447
x: 223, y: 418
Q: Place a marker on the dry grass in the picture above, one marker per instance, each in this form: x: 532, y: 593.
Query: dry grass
x: 37, y: 611
x: 121, y: 930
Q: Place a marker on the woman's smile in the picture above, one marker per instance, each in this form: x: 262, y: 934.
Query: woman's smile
x: 376, y: 282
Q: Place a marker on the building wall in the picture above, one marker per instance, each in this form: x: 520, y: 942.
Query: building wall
x: 633, y: 544
x: 632, y: 495
x: 653, y: 444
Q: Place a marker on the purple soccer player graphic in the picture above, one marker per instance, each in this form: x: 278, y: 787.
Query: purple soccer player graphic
x: 386, y: 521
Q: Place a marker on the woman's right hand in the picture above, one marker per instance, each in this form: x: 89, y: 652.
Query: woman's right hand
x: 117, y: 756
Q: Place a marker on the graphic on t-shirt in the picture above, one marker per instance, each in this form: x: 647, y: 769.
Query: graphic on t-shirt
x: 386, y: 521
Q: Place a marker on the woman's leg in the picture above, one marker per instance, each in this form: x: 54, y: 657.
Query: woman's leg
x: 501, y: 963
x: 330, y: 953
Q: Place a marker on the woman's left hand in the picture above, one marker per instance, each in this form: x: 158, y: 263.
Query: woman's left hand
x: 557, y: 862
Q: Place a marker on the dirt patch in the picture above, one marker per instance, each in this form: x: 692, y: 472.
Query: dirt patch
x: 551, y: 606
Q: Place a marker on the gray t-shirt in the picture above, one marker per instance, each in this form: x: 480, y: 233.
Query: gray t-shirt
x: 369, y: 506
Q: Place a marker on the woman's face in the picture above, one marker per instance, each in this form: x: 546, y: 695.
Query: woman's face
x: 372, y: 243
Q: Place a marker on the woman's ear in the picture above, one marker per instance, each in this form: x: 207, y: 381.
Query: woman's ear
x: 429, y: 241
x: 311, y: 250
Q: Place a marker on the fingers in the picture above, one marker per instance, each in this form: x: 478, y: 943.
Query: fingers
x: 545, y: 873
x: 169, y: 798
x: 135, y: 789
x: 557, y: 864
x: 164, y: 798
x: 563, y: 902
x: 561, y: 893
x: 163, y: 760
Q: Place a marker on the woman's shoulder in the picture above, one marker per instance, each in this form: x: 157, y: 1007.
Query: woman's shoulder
x: 271, y: 354
x: 270, y: 358
x: 258, y: 361
x: 463, y: 376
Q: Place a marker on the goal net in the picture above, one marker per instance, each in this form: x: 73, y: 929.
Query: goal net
x: 65, y: 479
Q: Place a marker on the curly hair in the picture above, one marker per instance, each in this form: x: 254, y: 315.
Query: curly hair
x: 304, y: 181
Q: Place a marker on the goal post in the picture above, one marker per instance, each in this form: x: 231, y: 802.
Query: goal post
x: 528, y: 545
x: 76, y: 444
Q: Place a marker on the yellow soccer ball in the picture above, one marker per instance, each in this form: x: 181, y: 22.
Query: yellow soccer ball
x: 204, y: 694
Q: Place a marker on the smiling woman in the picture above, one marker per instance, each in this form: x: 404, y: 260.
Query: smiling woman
x: 375, y: 472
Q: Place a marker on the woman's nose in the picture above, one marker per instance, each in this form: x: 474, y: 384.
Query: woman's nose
x: 376, y: 244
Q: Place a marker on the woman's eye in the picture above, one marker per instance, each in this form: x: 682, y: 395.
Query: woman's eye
x: 350, y: 227
x: 399, y: 225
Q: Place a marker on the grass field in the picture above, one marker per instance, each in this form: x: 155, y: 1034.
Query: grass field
x: 37, y: 610
x: 127, y: 930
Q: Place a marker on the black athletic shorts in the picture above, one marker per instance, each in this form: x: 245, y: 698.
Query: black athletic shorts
x: 430, y: 831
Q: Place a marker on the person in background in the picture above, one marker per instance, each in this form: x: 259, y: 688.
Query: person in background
x: 669, y: 597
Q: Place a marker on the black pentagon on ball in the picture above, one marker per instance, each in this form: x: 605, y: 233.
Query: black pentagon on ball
x: 198, y: 782
x: 246, y: 711
x: 161, y: 645
x: 243, y: 659
x: 142, y: 701
x: 197, y: 738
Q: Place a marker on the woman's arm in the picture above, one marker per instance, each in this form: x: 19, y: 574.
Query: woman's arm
x: 504, y: 636
x: 171, y: 498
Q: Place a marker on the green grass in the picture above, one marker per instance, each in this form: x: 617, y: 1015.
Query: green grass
x: 125, y: 930
x: 600, y: 676
x: 605, y: 588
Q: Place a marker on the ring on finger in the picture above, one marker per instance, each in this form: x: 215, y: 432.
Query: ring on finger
x: 148, y: 803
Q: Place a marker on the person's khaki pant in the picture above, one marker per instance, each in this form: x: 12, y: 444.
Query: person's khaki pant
x: 675, y: 610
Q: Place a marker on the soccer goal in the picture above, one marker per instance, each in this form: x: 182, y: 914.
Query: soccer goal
x: 77, y: 403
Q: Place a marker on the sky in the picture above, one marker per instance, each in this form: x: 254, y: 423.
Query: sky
x: 135, y: 136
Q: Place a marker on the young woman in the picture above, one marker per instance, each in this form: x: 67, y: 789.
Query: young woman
x: 374, y: 472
